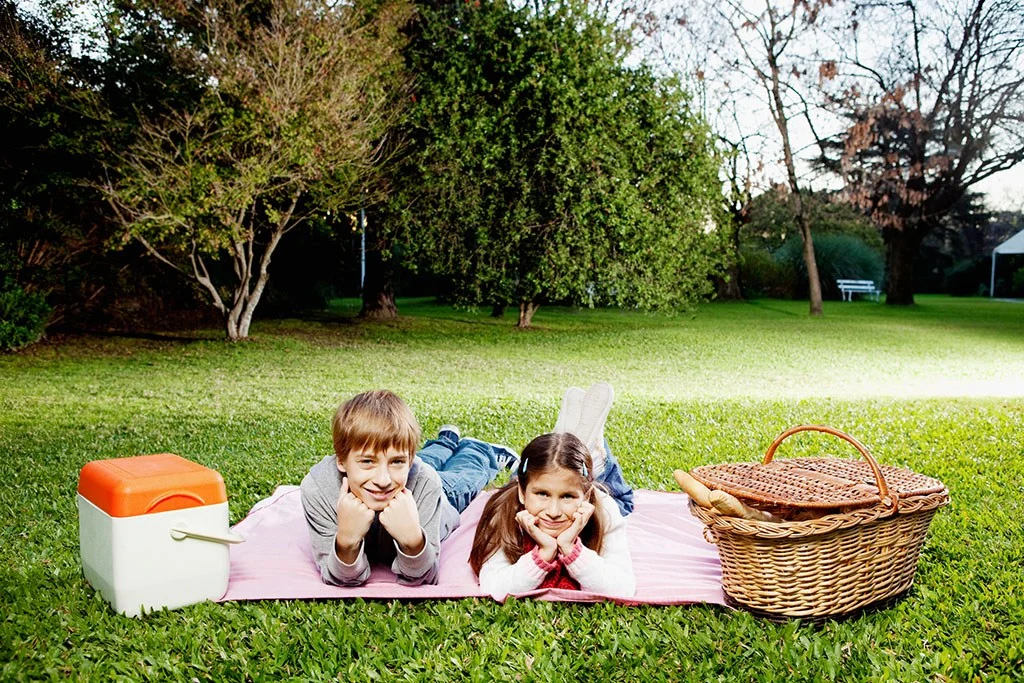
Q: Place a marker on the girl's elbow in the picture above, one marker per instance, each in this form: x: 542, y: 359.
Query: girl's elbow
x: 494, y: 588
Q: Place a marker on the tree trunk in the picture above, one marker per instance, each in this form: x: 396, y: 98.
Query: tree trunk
x: 526, y: 311
x: 231, y: 327
x: 379, y: 288
x: 901, y: 247
x: 498, y: 310
x: 778, y: 110
x: 813, y: 280
x: 729, y: 287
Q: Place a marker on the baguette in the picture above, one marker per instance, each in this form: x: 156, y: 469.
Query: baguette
x: 693, y: 488
x: 727, y: 504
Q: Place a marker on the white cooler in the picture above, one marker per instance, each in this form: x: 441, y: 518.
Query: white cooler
x: 153, y: 532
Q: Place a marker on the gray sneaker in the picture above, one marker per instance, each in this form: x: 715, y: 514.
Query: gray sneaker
x: 449, y: 433
x: 506, y: 457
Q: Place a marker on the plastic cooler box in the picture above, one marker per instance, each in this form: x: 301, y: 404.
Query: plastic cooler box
x: 153, y: 531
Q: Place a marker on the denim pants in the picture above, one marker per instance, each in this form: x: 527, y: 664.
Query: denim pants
x: 615, y: 483
x: 466, y: 466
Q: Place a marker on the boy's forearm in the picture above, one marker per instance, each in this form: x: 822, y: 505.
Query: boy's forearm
x: 348, y: 554
x: 420, y: 568
x: 335, y: 571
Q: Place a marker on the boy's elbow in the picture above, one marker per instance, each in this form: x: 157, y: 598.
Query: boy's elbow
x: 344, y: 582
x: 429, y: 578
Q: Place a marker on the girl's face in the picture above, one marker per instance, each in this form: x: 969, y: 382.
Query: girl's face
x: 553, y: 496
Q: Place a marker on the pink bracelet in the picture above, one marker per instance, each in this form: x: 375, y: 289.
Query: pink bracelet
x: 541, y: 562
x: 577, y: 548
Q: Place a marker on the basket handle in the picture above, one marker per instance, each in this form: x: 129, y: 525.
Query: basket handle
x: 888, y: 499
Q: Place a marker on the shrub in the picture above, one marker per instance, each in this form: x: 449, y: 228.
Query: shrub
x: 838, y: 257
x: 23, y: 318
x: 1017, y: 282
x: 966, y: 277
x: 762, y: 275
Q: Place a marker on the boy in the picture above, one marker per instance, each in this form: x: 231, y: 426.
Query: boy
x: 378, y: 500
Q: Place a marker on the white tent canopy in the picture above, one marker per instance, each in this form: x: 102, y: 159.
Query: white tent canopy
x: 1014, y: 245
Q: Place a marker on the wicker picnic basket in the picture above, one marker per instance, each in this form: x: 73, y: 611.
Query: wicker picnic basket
x: 855, y: 532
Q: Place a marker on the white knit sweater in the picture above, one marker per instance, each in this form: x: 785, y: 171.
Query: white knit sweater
x: 608, y: 573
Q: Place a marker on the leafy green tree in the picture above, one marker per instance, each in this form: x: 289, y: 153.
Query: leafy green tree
x: 50, y: 223
x: 292, y: 123
x: 545, y: 170
x: 772, y: 220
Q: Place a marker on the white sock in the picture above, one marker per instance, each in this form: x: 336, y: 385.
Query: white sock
x: 597, y: 455
x: 569, y: 415
x: 597, y: 402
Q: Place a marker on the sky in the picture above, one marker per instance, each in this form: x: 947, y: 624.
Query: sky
x: 736, y: 105
x: 1004, y: 191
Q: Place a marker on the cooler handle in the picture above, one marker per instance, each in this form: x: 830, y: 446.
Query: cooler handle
x: 174, y: 494
x: 181, y: 531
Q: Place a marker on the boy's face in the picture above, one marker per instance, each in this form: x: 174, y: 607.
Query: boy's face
x: 375, y: 478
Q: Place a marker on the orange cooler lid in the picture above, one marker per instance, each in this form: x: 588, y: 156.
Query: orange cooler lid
x: 126, y: 487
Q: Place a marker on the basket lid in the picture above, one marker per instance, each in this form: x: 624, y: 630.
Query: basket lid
x: 817, y: 482
x: 813, y: 482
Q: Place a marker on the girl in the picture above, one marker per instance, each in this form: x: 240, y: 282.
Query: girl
x: 551, y: 527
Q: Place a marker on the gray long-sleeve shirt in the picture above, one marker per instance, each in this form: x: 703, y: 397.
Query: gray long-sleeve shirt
x: 319, y: 492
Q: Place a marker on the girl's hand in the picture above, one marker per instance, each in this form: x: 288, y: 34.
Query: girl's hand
x: 401, y: 519
x: 354, y: 520
x: 567, y: 539
x: 547, y: 547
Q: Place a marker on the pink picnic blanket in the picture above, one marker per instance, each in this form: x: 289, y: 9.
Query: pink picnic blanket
x: 673, y: 563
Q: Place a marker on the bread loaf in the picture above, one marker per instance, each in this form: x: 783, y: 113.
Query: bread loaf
x: 693, y: 488
x: 729, y: 505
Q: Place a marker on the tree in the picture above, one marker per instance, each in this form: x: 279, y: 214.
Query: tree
x: 548, y: 172
x: 738, y: 195
x: 49, y: 222
x: 752, y: 56
x: 763, y: 38
x: 935, y: 104
x: 292, y: 123
x: 771, y: 219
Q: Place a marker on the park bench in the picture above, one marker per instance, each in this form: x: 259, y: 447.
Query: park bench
x: 851, y: 287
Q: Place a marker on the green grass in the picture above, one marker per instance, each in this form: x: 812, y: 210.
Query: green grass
x: 938, y: 388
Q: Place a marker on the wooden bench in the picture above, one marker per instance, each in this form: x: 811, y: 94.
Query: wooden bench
x: 850, y: 287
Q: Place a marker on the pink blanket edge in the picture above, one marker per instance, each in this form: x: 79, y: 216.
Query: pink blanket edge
x: 672, y: 562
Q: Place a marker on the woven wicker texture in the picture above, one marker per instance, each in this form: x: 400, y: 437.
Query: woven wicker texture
x: 815, y: 483
x: 831, y: 565
x: 821, y: 572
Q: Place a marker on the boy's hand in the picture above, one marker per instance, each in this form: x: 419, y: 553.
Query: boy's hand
x: 567, y: 539
x: 402, y: 521
x: 547, y: 547
x: 354, y: 520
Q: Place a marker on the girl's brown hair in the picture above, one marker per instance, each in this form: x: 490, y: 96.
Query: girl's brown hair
x: 498, y: 529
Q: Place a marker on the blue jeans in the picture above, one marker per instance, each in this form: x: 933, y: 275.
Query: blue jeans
x: 615, y: 483
x: 466, y: 466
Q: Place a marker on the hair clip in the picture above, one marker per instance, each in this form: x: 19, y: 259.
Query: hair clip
x: 522, y: 468
x: 586, y: 475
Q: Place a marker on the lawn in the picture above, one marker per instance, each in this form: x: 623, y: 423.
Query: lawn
x: 938, y: 388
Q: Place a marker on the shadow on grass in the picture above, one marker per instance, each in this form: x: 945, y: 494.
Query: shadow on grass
x: 57, y: 335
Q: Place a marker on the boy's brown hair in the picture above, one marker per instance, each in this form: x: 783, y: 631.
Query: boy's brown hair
x: 374, y: 421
